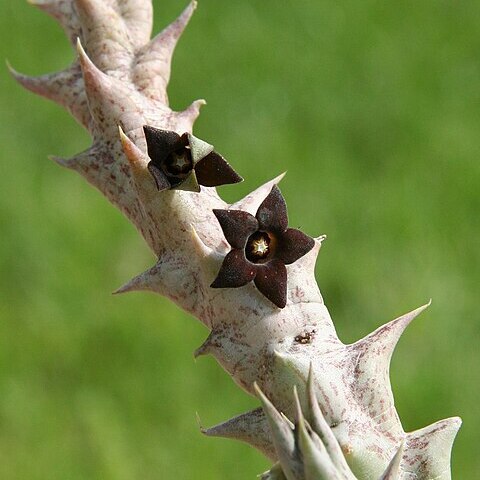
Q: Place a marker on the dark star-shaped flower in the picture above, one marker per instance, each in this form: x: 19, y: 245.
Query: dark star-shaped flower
x: 261, y: 247
x: 184, y: 162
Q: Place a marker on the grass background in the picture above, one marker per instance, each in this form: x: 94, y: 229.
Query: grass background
x: 374, y: 110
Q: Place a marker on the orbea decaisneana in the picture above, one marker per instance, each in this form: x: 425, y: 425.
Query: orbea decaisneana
x: 185, y: 162
x: 115, y: 89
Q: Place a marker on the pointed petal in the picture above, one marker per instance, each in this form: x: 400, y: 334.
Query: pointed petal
x: 199, y: 148
x: 237, y: 226
x: 236, y: 271
x: 190, y: 184
x: 372, y: 387
x: 253, y: 200
x: 251, y: 427
x: 213, y: 170
x: 293, y: 244
x: 64, y: 88
x: 427, y: 453
x: 393, y: 470
x: 272, y: 213
x: 160, y: 178
x: 271, y: 280
x: 152, y: 70
x: 160, y: 143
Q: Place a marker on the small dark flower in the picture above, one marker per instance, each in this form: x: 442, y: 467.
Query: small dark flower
x: 261, y: 247
x: 185, y: 162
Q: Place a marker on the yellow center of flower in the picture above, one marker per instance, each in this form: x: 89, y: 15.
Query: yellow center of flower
x: 180, y: 162
x: 259, y: 247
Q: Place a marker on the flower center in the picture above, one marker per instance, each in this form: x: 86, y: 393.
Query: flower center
x: 179, y: 163
x: 258, y: 247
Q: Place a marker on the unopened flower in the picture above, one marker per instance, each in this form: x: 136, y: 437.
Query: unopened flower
x: 261, y: 247
x: 185, y: 162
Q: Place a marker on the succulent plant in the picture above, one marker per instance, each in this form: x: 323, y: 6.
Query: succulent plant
x: 120, y: 80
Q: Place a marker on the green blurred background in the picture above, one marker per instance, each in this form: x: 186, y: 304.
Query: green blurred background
x: 374, y: 110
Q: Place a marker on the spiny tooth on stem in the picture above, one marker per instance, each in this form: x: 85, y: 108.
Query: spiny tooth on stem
x: 137, y: 159
x: 138, y: 162
x: 80, y: 162
x: 428, y: 450
x: 208, y: 259
x: 302, y: 285
x: 64, y: 88
x: 153, y: 62
x: 64, y: 13
x: 371, y: 358
x: 183, y: 121
x: 275, y: 473
x: 323, y: 430
x: 393, y: 470
x: 164, y: 278
x: 150, y: 280
x: 251, y: 427
x: 206, y: 347
x: 168, y: 278
x: 288, y: 371
x: 98, y: 166
x: 316, y: 462
x: 282, y: 436
x: 385, y: 338
x: 298, y: 407
x: 252, y: 201
x: 202, y: 250
x: 52, y: 7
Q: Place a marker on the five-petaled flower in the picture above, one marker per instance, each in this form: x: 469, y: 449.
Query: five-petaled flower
x: 185, y: 162
x: 261, y: 247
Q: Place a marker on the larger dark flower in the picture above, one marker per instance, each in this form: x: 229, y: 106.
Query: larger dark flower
x: 185, y: 162
x: 261, y: 247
